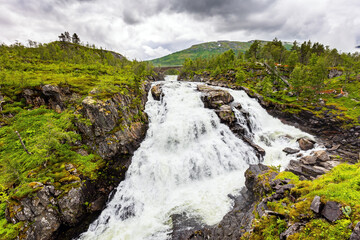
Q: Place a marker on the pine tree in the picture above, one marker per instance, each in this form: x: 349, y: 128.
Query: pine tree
x: 62, y: 37
x: 75, y: 38
x: 67, y: 37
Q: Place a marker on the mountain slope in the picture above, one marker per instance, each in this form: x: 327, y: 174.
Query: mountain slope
x: 204, y: 50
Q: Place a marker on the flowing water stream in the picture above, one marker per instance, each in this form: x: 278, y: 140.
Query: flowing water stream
x: 189, y: 162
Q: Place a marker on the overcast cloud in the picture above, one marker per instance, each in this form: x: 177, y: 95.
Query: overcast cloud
x: 146, y: 29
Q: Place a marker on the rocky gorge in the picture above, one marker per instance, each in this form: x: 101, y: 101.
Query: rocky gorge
x: 114, y: 129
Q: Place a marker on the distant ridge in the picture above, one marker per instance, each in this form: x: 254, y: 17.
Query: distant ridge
x: 204, y: 50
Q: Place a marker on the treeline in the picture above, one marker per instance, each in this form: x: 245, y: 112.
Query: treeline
x: 305, y: 65
x: 15, y: 54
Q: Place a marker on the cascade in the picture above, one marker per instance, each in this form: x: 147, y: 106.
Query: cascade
x: 189, y: 162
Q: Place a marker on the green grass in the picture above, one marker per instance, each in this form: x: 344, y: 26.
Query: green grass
x: 52, y: 138
x: 341, y: 184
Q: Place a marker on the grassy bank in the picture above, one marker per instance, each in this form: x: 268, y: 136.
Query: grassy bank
x: 39, y: 145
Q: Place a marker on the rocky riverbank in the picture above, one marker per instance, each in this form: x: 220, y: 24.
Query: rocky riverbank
x: 112, y: 128
x: 277, y: 199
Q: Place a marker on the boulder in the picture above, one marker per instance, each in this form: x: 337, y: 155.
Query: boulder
x: 156, y: 92
x: 331, y: 211
x: 321, y: 156
x: 226, y: 114
x: 308, y: 160
x: 288, y: 150
x: 312, y: 171
x: 305, y: 144
x: 355, y: 235
x: 316, y: 204
x: 72, y: 206
x: 214, y: 98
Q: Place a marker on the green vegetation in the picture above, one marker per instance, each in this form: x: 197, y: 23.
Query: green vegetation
x: 39, y: 145
x: 296, y: 77
x: 204, y: 50
x: 341, y: 184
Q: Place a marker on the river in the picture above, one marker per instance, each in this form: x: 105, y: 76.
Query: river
x: 189, y: 162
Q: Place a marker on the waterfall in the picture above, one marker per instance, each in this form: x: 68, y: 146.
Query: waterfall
x: 189, y: 162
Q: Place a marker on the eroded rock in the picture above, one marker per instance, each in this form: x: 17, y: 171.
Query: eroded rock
x: 156, y: 92
x: 305, y: 144
x: 214, y: 98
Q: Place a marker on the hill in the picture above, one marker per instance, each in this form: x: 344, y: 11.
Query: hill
x: 53, y: 98
x: 204, y: 50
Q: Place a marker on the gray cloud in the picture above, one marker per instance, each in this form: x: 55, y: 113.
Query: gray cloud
x: 147, y: 29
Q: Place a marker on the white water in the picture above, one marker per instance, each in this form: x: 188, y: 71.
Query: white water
x: 188, y: 162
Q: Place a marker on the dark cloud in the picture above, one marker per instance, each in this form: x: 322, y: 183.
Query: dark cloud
x: 142, y: 29
x: 223, y: 8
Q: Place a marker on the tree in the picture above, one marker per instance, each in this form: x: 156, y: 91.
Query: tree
x: 293, y: 59
x: 75, y: 38
x: 67, y: 37
x: 254, y: 50
x: 62, y: 37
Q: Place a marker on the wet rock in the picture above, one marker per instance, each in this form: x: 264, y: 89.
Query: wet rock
x: 288, y: 150
x: 98, y: 204
x: 331, y: 211
x: 321, y: 156
x: 308, y: 160
x: 290, y: 231
x: 355, y: 235
x: 226, y: 114
x: 316, y: 204
x: 156, y: 92
x: 183, y: 226
x: 214, y: 98
x: 305, y: 144
x: 260, y: 152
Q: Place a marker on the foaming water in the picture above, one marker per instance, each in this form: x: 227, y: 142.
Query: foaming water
x: 266, y: 131
x: 189, y: 162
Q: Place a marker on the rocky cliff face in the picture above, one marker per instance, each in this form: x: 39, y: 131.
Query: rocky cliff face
x: 113, y: 128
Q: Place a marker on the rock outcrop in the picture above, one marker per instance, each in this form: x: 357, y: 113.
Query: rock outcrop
x: 222, y: 102
x: 156, y: 92
x: 238, y: 220
x: 113, y: 128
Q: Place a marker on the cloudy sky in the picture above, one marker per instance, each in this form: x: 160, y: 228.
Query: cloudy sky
x: 146, y: 29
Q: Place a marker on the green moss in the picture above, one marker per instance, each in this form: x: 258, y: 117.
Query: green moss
x: 318, y: 229
x: 287, y: 175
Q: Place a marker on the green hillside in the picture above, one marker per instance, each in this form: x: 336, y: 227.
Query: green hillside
x: 204, y: 50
